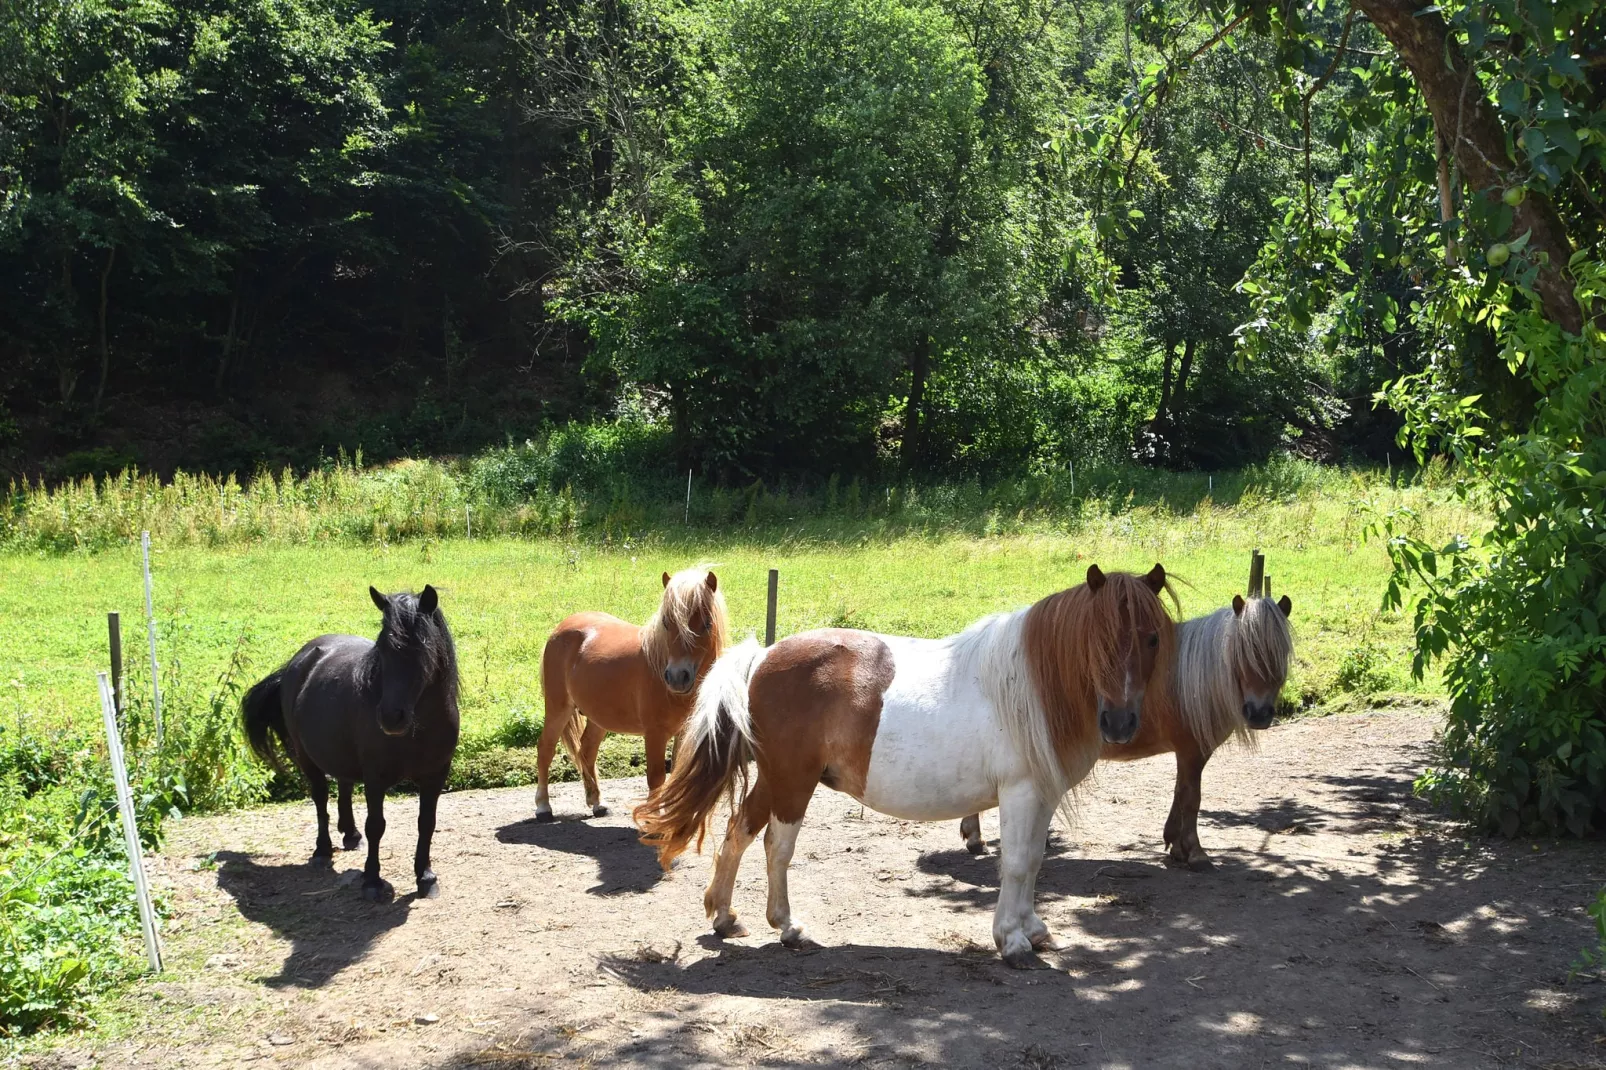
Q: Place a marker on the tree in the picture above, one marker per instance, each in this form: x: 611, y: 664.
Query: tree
x: 1483, y: 129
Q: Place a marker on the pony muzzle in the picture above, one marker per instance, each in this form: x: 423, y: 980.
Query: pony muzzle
x: 1118, y: 725
x: 394, y: 721
x: 1259, y: 714
x: 680, y: 677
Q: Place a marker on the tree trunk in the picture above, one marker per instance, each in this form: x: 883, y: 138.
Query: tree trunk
x: 1164, y: 408
x: 1465, y: 120
x: 228, y: 339
x: 1179, y: 393
x: 105, y: 347
x: 919, y: 369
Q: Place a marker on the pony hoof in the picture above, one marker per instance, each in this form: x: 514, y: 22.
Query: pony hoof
x: 600, y: 811
x: 977, y: 848
x: 1201, y: 862
x: 1047, y: 942
x: 429, y: 886
x: 351, y: 841
x: 798, y: 939
x: 378, y: 892
x: 543, y: 816
x: 1022, y: 959
x: 731, y: 930
x: 322, y: 859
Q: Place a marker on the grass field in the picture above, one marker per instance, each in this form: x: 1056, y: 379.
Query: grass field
x: 504, y: 594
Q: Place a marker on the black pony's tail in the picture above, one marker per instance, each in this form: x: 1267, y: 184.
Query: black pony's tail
x: 262, y: 712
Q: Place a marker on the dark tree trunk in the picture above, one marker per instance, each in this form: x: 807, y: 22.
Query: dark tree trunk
x: 1179, y: 396
x: 228, y: 339
x: 1477, y: 141
x: 919, y: 370
x: 1164, y: 408
x: 105, y: 346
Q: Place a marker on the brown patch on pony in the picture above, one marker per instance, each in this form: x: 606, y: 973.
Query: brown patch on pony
x: 1077, y: 645
x: 816, y: 702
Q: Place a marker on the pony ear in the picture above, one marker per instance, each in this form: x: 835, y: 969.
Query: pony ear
x: 666, y: 579
x: 428, y: 600
x: 1238, y: 605
x: 379, y: 600
x: 1156, y: 578
x: 1095, y: 578
x: 713, y: 582
x: 1285, y: 605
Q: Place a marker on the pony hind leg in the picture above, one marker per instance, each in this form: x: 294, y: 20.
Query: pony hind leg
x: 323, y: 854
x: 586, y: 758
x: 752, y: 815
x: 350, y: 838
x: 780, y: 840
x: 558, y: 715
x: 970, y: 832
x: 1023, y: 817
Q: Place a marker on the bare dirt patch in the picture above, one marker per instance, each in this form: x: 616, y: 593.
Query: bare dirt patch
x: 1343, y: 926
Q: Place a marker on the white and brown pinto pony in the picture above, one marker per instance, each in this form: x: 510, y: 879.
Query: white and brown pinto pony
x: 1011, y: 712
x: 600, y: 674
x: 1231, y: 665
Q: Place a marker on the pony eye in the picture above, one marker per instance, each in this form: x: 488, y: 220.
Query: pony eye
x: 1154, y: 641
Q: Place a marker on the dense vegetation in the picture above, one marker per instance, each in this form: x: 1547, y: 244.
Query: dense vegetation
x: 808, y: 237
x: 865, y: 265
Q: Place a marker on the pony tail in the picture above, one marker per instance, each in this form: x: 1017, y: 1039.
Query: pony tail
x: 262, y: 710
x: 713, y: 754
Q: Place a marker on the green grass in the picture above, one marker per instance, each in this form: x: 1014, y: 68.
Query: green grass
x: 504, y: 594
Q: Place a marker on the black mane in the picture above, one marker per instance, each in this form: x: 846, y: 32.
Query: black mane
x: 424, y: 634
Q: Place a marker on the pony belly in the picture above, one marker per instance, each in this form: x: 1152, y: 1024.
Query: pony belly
x: 936, y: 750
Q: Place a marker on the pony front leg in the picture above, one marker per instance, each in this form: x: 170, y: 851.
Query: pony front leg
x: 1023, y: 818
x: 1182, y: 828
x: 428, y: 884
x: 779, y: 841
x: 374, y: 888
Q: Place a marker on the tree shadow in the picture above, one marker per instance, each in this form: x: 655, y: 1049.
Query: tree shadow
x: 624, y: 863
x: 323, y: 914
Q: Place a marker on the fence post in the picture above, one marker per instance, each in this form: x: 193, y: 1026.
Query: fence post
x: 769, y: 613
x: 114, y: 636
x: 1257, y: 572
x: 125, y: 804
x: 150, y: 629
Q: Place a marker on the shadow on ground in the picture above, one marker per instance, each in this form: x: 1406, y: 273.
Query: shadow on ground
x: 321, y: 913
x: 624, y: 863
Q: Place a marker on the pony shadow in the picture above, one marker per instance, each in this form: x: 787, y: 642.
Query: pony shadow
x: 624, y: 863
x: 329, y: 926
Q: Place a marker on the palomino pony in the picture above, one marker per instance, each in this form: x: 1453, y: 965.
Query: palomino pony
x: 1009, y: 712
x: 379, y: 712
x: 1230, y: 667
x: 600, y: 674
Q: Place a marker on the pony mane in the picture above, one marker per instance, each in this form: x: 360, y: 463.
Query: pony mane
x: 1072, y: 647
x: 405, y: 628
x: 686, y: 594
x: 1211, y: 653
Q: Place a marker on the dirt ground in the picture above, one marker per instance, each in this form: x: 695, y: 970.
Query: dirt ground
x: 1343, y: 926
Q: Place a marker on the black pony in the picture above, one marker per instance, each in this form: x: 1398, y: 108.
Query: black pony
x: 353, y: 709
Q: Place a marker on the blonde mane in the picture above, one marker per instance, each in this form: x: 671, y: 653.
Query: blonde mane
x: 1067, y: 647
x: 686, y: 594
x: 1212, y: 651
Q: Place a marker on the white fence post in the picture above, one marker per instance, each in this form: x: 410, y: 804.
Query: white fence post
x: 150, y: 629
x: 125, y: 803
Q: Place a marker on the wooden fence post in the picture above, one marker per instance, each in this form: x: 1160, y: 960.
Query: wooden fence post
x: 769, y: 614
x: 114, y: 636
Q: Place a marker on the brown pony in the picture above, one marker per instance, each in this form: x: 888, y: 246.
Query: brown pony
x: 1230, y: 666
x: 600, y: 674
x: 1011, y: 712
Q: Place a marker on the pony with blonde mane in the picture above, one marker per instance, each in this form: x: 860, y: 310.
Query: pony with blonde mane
x: 1009, y: 713
x: 1230, y: 667
x: 600, y: 674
